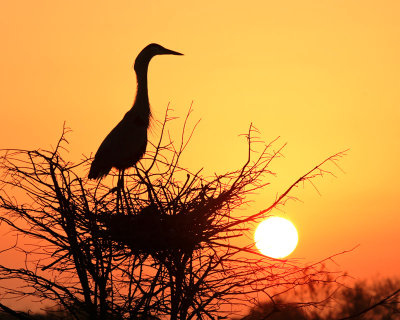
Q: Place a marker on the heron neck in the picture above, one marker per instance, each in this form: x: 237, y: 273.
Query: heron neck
x: 141, y: 104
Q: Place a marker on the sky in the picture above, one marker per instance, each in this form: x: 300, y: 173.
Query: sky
x: 321, y: 75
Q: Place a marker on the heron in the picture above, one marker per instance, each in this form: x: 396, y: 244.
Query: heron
x: 126, y: 144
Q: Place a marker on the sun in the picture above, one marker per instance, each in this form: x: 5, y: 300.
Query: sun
x: 276, y: 237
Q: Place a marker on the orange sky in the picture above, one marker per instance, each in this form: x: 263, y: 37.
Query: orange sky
x: 323, y: 75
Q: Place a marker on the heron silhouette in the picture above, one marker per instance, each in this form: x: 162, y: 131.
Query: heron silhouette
x: 125, y: 145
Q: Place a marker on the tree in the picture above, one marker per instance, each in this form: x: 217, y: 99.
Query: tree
x: 378, y: 300
x: 169, y: 250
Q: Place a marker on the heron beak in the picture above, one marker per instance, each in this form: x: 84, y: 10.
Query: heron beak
x: 167, y: 51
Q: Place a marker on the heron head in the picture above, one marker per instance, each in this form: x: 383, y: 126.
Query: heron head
x: 149, y: 52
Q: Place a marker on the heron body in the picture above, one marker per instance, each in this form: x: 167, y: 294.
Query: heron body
x: 125, y: 145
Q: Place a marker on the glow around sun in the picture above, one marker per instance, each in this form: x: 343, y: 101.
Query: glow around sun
x: 276, y: 237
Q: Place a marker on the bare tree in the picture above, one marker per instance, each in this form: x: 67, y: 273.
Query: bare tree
x: 170, y: 251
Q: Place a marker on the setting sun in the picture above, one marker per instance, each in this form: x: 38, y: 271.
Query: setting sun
x: 276, y: 237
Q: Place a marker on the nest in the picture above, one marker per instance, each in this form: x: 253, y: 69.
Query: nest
x: 151, y: 231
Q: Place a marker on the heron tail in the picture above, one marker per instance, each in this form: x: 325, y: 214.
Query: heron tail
x: 97, y: 171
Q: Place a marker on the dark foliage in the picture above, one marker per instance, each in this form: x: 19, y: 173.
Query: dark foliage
x: 379, y: 300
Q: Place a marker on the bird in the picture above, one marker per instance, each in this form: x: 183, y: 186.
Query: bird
x: 126, y: 144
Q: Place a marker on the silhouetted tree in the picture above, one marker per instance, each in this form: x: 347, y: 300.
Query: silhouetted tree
x: 379, y: 300
x: 277, y: 310
x: 171, y: 250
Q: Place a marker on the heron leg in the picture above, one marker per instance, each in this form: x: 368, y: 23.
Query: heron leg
x: 120, y: 184
x: 124, y: 193
x: 122, y: 197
